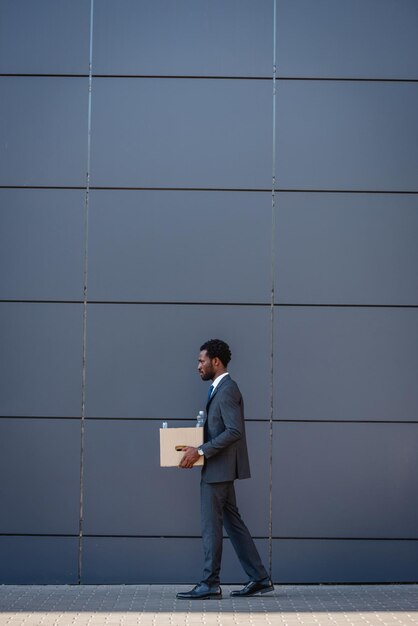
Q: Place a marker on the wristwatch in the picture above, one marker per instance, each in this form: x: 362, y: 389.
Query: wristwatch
x: 200, y: 452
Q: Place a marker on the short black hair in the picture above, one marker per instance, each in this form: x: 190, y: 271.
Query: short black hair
x: 217, y: 348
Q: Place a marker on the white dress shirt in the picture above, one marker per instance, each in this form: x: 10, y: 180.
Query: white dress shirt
x: 217, y: 381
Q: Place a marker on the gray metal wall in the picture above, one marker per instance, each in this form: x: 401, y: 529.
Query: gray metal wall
x: 137, y: 221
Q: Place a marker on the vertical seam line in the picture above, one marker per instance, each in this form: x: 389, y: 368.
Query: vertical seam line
x: 85, y: 281
x: 273, y: 230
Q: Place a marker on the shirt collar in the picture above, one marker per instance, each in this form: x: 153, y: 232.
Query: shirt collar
x: 218, y: 380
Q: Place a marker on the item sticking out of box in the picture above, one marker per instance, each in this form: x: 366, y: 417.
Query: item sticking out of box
x: 172, y: 440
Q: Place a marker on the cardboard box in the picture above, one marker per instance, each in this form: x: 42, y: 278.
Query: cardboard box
x: 172, y: 437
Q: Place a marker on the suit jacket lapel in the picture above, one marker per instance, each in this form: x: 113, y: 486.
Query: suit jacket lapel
x: 215, y: 391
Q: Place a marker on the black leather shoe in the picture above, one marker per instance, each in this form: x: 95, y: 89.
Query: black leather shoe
x: 254, y: 587
x: 201, y: 592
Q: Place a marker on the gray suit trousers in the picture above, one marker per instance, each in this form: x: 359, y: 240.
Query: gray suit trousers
x: 218, y: 508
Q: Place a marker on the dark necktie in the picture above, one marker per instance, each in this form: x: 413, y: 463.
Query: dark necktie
x: 210, y: 392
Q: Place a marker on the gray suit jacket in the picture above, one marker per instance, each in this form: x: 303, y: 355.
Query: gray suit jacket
x: 225, y: 447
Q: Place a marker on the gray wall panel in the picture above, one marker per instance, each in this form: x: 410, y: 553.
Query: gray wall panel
x: 355, y: 480
x: 134, y: 256
x: 41, y: 359
x: 38, y: 560
x: 361, y: 38
x: 228, y: 38
x: 345, y: 363
x: 143, y: 358
x: 326, y: 561
x: 41, y: 244
x: 253, y: 496
x: 114, y: 560
x: 181, y: 133
x: 46, y: 36
x: 41, y: 460
x: 346, y: 248
x: 43, y: 125
x: 347, y: 135
x: 126, y: 492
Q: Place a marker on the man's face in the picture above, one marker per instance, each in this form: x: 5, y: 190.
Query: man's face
x: 205, y: 366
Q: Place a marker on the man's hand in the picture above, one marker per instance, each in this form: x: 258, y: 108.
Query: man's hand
x: 190, y: 457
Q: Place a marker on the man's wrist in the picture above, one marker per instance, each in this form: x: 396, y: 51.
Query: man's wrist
x: 200, y: 452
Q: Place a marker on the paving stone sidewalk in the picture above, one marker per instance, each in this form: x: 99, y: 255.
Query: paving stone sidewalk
x: 156, y: 605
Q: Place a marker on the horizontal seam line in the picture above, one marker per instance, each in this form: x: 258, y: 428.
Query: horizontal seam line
x: 165, y: 536
x: 255, y: 420
x: 266, y: 78
x: 309, y: 538
x: 217, y: 189
x: 188, y: 303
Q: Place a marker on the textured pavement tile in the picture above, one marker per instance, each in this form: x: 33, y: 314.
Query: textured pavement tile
x: 156, y: 605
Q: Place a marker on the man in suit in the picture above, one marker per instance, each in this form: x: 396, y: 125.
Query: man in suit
x: 226, y: 459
